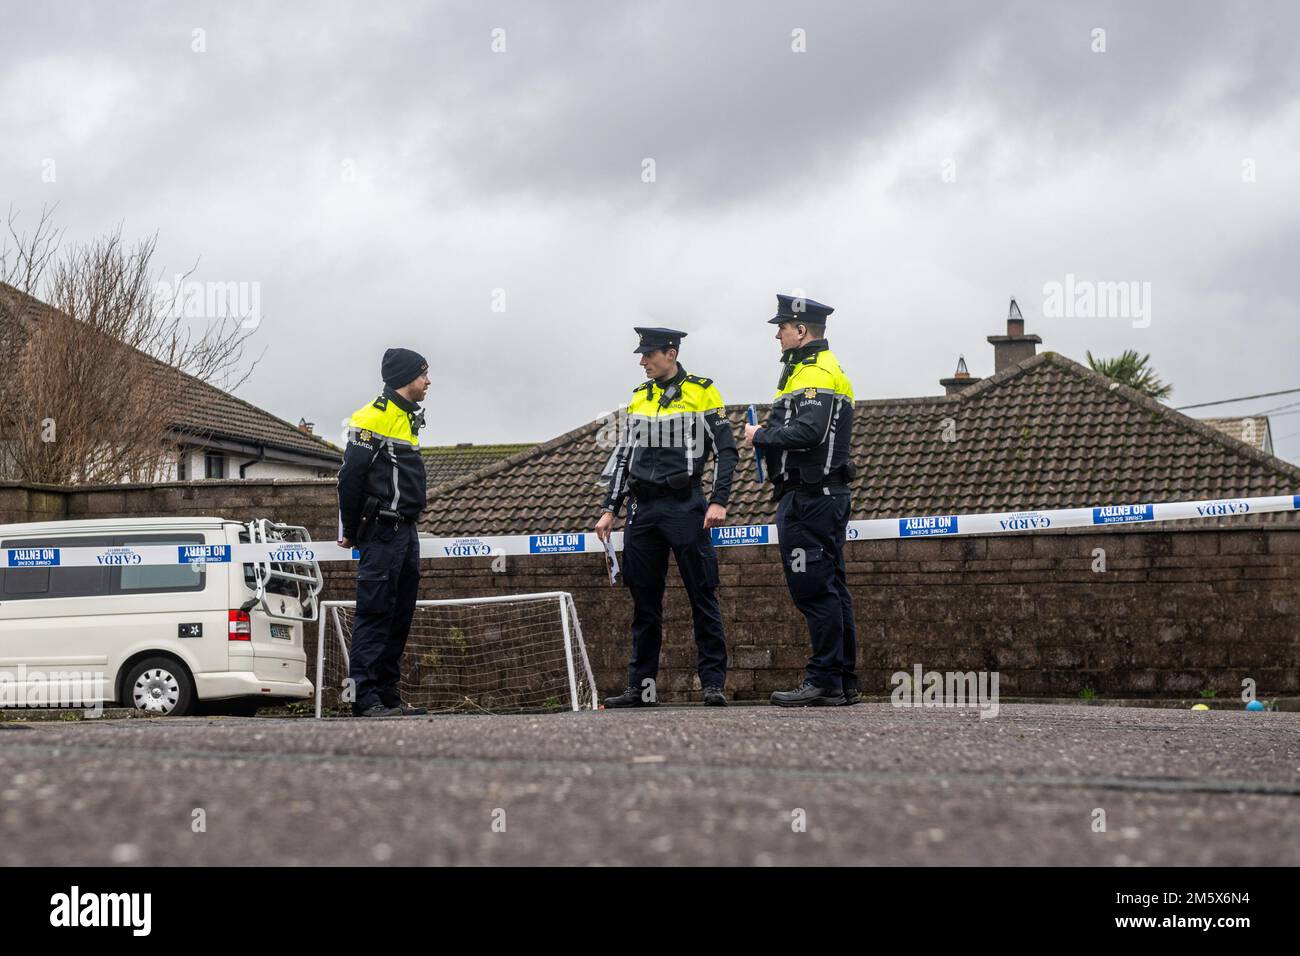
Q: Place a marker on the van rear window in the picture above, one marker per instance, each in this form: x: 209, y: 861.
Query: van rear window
x: 275, y: 585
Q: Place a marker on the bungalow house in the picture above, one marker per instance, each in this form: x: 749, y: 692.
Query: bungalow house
x: 1251, y: 429
x: 215, y: 434
x: 444, y: 463
x: 1041, y: 432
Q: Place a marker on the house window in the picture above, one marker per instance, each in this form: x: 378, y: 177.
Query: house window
x: 214, y: 465
x: 183, y: 465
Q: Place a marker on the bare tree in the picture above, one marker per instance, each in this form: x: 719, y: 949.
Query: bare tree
x: 98, y: 384
x: 23, y: 264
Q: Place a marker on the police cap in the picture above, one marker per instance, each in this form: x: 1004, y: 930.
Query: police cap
x: 652, y: 339
x: 792, y: 308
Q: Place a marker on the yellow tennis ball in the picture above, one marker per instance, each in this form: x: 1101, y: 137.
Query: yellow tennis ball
x: 1199, y: 707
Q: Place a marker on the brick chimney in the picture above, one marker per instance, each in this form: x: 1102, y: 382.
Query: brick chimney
x: 961, y: 379
x: 305, y: 426
x: 1015, y: 346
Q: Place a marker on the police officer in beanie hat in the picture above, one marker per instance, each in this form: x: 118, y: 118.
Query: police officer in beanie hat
x: 381, y: 494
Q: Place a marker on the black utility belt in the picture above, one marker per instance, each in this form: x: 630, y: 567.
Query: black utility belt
x: 834, y: 482
x: 373, y: 514
x: 646, y: 490
x: 830, y: 488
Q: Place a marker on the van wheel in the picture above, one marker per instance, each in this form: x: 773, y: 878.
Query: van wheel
x: 160, y: 687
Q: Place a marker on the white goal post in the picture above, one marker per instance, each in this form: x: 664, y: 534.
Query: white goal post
x: 507, y: 653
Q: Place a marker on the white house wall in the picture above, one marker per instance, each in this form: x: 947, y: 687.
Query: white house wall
x: 275, y: 469
x: 259, y: 469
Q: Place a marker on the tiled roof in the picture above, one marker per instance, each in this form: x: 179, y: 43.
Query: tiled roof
x: 444, y: 463
x: 205, y: 411
x: 1045, y: 433
x: 208, y: 412
x: 1251, y: 429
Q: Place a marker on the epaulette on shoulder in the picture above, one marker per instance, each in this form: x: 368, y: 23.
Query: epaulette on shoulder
x: 699, y: 380
x: 812, y: 359
x: 644, y: 385
x: 381, y: 403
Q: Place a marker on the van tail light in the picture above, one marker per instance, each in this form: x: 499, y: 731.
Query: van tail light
x: 241, y: 626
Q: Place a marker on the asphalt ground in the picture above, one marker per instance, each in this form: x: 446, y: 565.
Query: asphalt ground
x: 670, y: 785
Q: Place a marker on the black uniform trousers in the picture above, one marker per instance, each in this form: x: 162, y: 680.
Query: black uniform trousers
x: 812, y: 528
x: 654, y: 527
x: 388, y: 578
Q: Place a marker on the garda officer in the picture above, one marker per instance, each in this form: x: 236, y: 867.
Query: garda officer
x: 805, y: 447
x: 381, y: 494
x: 674, y: 421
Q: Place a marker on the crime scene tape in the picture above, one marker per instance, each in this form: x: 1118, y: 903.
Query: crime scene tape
x: 925, y: 526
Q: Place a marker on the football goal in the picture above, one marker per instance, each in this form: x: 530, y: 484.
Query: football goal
x: 508, y: 654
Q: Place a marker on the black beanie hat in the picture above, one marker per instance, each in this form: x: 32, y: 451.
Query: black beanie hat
x: 402, y: 367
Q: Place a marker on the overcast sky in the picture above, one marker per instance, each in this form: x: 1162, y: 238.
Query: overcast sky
x: 386, y: 178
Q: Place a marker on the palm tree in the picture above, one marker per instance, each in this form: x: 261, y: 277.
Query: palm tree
x: 1131, y: 369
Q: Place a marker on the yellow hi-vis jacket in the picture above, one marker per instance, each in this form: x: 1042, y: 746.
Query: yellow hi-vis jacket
x: 808, y: 431
x: 666, y: 436
x: 382, y: 459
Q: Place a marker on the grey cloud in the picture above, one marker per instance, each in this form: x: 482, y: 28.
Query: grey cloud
x: 522, y: 171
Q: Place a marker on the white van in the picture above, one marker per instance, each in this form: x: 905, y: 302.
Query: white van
x: 164, y: 639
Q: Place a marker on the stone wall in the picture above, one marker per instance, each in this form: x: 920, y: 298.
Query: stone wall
x: 309, y: 502
x: 1174, y: 613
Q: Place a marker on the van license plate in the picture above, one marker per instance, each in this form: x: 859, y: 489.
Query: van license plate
x: 282, y: 632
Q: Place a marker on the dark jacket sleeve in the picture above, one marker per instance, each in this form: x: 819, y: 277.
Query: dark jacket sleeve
x: 618, y: 484
x: 725, y: 444
x: 807, y: 429
x: 357, y: 459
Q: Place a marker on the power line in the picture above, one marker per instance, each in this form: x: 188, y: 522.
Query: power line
x: 1278, y: 408
x: 1244, y: 398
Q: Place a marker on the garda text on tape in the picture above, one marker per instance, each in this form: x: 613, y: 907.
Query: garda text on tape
x: 51, y: 553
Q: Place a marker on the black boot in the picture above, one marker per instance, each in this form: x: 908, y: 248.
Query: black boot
x: 714, y: 697
x: 408, y: 710
x: 851, y: 696
x: 378, y: 710
x: 808, y: 694
x: 629, y: 698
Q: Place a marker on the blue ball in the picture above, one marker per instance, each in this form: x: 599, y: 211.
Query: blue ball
x: 1255, y: 705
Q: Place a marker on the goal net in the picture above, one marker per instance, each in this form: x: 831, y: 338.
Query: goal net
x: 514, y: 653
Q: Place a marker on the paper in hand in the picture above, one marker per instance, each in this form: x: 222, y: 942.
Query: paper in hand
x: 752, y: 417
x: 611, y: 562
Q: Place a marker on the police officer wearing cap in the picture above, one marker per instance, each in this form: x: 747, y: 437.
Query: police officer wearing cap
x: 381, y: 495
x: 674, y: 422
x: 805, y: 447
